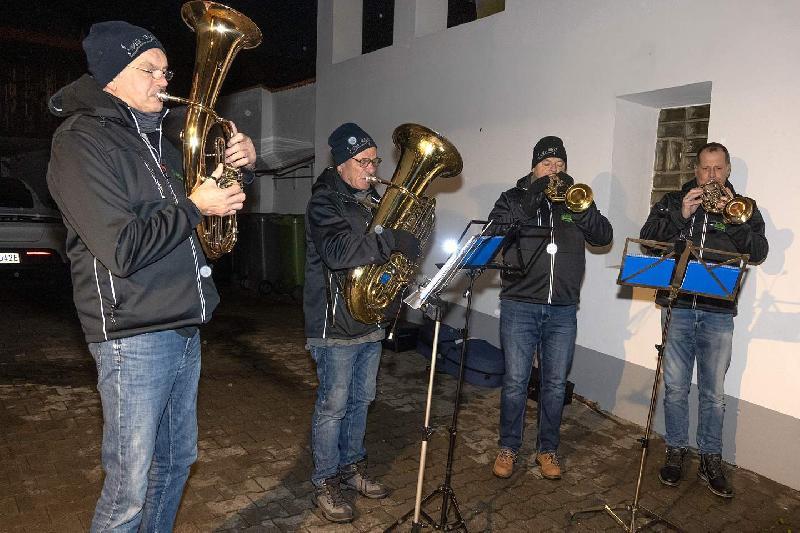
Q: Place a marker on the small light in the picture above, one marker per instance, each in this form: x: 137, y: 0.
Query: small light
x: 38, y: 252
x: 449, y: 246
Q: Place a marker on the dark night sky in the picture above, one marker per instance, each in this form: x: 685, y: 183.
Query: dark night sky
x: 286, y: 55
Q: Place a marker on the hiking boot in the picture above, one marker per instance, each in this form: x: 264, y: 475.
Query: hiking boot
x: 504, y: 464
x: 355, y: 477
x: 710, y: 471
x: 672, y: 471
x: 549, y: 465
x: 328, y: 497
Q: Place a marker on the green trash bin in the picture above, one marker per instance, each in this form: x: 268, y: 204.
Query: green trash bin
x: 292, y: 243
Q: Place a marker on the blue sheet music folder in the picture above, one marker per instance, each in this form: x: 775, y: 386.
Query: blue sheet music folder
x: 646, y: 271
x: 698, y: 279
x: 484, y: 252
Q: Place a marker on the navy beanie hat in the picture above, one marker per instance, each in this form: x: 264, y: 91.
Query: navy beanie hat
x: 348, y: 140
x: 548, y: 147
x: 112, y: 45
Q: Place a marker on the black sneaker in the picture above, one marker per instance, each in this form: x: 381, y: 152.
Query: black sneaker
x: 710, y: 471
x: 355, y: 477
x: 672, y: 471
x: 328, y: 497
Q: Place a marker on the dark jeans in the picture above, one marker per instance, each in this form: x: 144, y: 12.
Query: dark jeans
x: 347, y: 376
x: 523, y: 327
x: 706, y: 338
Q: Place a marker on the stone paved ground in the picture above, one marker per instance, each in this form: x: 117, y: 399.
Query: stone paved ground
x: 256, y: 397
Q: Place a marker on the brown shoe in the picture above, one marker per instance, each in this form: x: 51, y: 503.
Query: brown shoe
x: 549, y: 465
x: 504, y: 464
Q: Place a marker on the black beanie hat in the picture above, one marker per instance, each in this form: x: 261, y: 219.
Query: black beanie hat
x: 348, y: 140
x: 549, y: 146
x: 112, y: 45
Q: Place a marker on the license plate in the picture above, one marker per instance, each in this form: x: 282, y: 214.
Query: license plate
x: 9, y: 257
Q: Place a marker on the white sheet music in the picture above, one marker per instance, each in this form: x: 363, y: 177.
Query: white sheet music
x: 417, y: 299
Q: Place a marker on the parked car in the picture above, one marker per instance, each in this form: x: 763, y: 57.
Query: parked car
x: 32, y: 233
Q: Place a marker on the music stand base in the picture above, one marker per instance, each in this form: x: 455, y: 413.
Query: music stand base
x: 632, y: 527
x: 457, y: 524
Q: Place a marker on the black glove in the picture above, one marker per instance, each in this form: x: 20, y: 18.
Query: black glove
x: 406, y: 243
x: 740, y: 234
x: 534, y: 195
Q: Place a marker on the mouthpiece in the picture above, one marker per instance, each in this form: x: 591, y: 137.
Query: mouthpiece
x: 163, y: 96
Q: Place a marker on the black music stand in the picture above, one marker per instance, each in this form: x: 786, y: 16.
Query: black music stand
x: 681, y: 268
x: 475, y: 255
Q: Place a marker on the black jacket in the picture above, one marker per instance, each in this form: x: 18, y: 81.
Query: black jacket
x: 336, y: 241
x: 666, y: 224
x: 136, y: 263
x: 551, y: 278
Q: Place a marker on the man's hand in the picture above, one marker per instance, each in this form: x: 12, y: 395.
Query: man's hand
x: 211, y: 200
x: 691, y: 201
x: 240, y: 151
x: 406, y: 243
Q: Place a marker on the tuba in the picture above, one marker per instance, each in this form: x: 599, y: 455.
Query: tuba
x: 577, y: 198
x: 424, y: 156
x: 737, y: 210
x: 221, y: 33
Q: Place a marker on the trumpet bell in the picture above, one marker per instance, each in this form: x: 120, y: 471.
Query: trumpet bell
x: 738, y: 211
x: 578, y: 198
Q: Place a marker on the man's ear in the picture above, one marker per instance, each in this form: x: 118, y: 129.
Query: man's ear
x: 111, y: 87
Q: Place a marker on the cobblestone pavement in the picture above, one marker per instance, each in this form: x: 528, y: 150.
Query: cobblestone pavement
x: 256, y: 397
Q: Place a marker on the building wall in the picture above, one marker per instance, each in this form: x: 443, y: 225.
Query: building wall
x: 595, y: 74
x: 281, y: 125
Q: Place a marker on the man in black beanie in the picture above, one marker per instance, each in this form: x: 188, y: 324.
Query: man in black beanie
x: 347, y: 352
x: 141, y: 284
x: 538, y: 307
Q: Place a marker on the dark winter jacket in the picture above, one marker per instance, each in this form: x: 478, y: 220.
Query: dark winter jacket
x: 136, y: 263
x: 551, y: 278
x: 666, y: 224
x: 336, y: 241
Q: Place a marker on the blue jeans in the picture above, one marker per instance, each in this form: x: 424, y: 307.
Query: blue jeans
x: 148, y: 388
x: 523, y: 328
x: 707, y: 338
x: 347, y: 376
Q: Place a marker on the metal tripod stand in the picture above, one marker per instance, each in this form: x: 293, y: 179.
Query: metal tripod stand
x: 422, y: 519
x: 634, y: 508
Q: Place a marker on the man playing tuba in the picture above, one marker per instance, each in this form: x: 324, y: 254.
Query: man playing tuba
x: 538, y: 307
x: 701, y: 329
x: 141, y: 284
x: 347, y: 352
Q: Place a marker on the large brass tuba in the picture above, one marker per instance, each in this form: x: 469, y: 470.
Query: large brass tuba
x: 424, y: 156
x: 221, y: 33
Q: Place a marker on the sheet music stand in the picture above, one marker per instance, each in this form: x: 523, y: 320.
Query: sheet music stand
x: 476, y: 254
x: 680, y: 268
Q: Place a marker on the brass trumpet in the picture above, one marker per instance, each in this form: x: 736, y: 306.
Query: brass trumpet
x: 737, y: 210
x: 577, y: 198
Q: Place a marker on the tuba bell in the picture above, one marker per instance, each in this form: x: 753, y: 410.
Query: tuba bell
x: 221, y: 33
x: 737, y: 210
x: 424, y: 156
x: 577, y: 198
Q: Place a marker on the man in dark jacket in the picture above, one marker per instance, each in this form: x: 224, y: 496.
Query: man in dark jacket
x: 141, y: 284
x: 701, y: 328
x: 538, y: 307
x: 347, y: 352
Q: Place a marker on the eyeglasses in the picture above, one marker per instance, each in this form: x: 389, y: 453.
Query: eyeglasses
x: 157, y: 73
x: 365, y: 161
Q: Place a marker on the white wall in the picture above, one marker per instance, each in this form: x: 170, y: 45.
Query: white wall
x: 281, y: 125
x: 494, y: 86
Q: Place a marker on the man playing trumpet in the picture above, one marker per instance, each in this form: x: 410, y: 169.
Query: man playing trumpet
x: 538, y: 307
x: 701, y: 328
